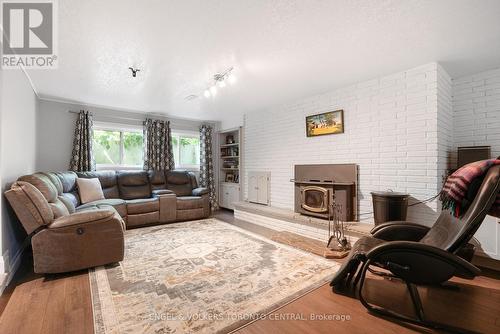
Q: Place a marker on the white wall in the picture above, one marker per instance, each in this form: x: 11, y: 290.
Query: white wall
x: 476, y: 121
x: 390, y: 132
x: 56, y: 127
x: 54, y: 136
x: 476, y: 110
x: 232, y: 121
x: 18, y: 107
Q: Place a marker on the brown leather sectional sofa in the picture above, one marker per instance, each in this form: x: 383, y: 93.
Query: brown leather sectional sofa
x: 142, y: 198
x: 68, y: 236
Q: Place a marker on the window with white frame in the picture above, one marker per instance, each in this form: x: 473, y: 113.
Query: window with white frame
x: 118, y: 146
x: 186, y: 147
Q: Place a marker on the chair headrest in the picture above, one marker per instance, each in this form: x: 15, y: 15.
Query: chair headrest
x: 451, y: 233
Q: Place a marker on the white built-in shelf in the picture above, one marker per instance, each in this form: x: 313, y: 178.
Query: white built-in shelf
x: 230, y: 151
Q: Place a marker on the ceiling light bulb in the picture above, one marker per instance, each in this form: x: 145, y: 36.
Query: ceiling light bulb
x: 221, y: 83
x: 231, y: 78
x: 213, y: 90
x: 207, y: 93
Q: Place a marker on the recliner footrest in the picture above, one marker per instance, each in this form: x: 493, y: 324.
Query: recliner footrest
x: 345, y: 279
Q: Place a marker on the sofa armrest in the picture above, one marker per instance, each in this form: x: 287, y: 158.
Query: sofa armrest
x: 159, y: 192
x: 399, y: 230
x: 200, y: 191
x: 168, y: 205
x: 82, y: 217
x: 84, y: 239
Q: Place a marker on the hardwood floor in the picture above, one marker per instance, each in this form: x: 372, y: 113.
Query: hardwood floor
x: 62, y: 304
x: 46, y: 304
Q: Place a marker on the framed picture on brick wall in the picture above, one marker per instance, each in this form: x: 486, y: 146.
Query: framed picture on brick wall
x: 327, y: 123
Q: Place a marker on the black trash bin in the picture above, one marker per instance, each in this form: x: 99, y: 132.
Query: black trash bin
x: 389, y: 206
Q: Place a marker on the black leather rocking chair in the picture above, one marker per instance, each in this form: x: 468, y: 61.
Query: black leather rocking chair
x: 418, y: 255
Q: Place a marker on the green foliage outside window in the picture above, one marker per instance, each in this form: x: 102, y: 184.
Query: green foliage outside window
x: 108, y: 143
x: 114, y: 147
x: 186, y: 150
x: 132, y: 148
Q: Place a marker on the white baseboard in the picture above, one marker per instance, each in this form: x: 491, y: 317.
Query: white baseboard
x: 10, y: 267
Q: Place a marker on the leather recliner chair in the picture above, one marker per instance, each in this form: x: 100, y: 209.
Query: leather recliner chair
x: 418, y: 254
x: 62, y: 239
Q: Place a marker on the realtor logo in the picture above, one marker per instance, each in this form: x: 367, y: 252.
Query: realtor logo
x: 29, y: 34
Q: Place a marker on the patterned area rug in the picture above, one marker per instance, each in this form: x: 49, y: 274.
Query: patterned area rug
x: 201, y: 276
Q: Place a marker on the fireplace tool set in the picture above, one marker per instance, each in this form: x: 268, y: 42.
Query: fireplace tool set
x: 337, y: 246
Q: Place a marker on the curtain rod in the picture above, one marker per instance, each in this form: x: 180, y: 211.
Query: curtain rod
x: 115, y: 117
x: 152, y: 116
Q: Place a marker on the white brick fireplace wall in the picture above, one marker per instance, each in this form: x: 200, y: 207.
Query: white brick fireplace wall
x: 476, y: 121
x: 391, y: 132
x: 444, y: 123
x: 476, y: 110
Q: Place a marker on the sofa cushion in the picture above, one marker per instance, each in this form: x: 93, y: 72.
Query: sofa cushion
x: 117, y: 203
x: 189, y: 202
x: 179, y: 182
x: 67, y: 202
x: 89, y: 189
x: 43, y: 184
x: 157, y: 179
x: 88, y: 207
x: 200, y: 191
x: 133, y: 185
x: 143, y: 219
x: 159, y: 192
x: 30, y: 205
x: 190, y: 214
x: 59, y: 209
x: 69, y: 188
x: 70, y: 200
x: 50, y: 191
x: 108, y: 181
x: 67, y: 179
x: 142, y: 205
x: 55, y: 181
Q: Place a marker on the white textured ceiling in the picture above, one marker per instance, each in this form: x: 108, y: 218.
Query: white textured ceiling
x: 281, y: 50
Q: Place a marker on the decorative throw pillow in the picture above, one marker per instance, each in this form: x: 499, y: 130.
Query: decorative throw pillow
x: 89, y: 189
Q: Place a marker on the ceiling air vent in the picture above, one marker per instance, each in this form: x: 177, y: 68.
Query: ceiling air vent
x: 191, y: 97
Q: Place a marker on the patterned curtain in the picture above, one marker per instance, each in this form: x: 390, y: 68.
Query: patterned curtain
x: 207, y: 164
x: 82, y: 157
x: 158, y: 153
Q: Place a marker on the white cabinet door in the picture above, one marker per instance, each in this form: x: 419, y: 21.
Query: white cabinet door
x: 229, y: 194
x: 258, y: 187
x: 222, y: 197
x: 253, y: 187
x: 234, y: 196
x: 262, y: 189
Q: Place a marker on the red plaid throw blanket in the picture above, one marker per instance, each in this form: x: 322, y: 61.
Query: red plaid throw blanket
x: 455, y: 195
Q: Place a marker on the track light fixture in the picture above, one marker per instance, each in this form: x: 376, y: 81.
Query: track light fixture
x: 134, y: 71
x: 219, y: 81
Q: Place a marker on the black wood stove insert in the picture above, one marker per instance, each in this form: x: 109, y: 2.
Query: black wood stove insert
x: 318, y: 186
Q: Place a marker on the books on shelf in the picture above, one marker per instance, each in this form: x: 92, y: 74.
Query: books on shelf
x: 229, y: 151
